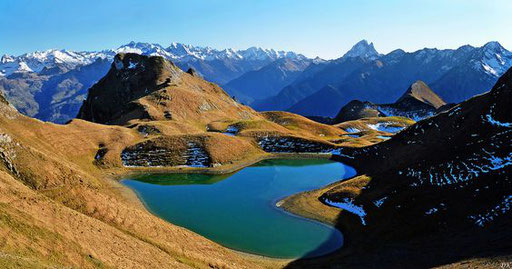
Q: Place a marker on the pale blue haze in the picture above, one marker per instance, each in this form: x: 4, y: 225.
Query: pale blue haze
x: 314, y: 28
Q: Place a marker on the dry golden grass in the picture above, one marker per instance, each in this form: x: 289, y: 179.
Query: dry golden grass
x: 58, y: 208
x: 61, y: 207
x: 58, y: 196
x: 366, y: 135
x: 307, y: 203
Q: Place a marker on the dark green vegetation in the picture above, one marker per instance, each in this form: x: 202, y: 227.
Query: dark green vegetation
x: 238, y: 210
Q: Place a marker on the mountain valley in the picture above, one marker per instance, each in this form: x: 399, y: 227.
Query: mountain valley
x: 432, y: 168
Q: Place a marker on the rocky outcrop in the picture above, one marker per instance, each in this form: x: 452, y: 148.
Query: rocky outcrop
x: 191, y: 71
x: 165, y: 152
x: 130, y: 77
x: 143, y: 88
x: 280, y: 144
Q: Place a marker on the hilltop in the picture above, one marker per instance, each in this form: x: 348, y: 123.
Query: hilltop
x: 417, y: 94
x: 418, y: 102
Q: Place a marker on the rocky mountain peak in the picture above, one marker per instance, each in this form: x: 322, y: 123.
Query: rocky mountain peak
x: 420, y: 91
x: 141, y: 88
x: 362, y: 49
x: 6, y: 59
x: 493, y: 59
x: 493, y: 46
x: 130, y: 77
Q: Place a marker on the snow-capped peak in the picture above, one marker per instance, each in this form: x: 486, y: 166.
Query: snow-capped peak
x: 493, y: 58
x: 362, y: 49
x: 6, y: 59
x: 493, y: 46
x: 144, y: 48
x: 38, y: 60
x: 318, y: 60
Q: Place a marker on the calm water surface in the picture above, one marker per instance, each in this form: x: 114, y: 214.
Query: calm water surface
x: 238, y: 210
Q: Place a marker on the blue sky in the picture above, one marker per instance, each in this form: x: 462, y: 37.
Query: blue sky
x: 315, y: 28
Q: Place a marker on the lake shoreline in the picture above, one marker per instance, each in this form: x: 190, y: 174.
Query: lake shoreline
x: 231, y: 168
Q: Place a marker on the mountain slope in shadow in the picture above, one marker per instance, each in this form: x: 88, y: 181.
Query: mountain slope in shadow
x: 437, y: 193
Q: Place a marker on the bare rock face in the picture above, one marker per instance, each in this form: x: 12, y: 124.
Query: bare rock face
x: 151, y: 88
x: 160, y: 152
x: 191, y: 71
x: 130, y: 77
x: 279, y: 144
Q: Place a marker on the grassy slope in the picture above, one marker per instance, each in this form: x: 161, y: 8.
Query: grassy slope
x: 58, y: 206
x: 57, y: 201
x: 90, y: 220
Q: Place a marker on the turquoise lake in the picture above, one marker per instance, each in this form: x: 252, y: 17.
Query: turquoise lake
x: 239, y: 210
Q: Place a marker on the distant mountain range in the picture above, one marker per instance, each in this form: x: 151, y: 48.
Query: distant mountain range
x: 268, y: 80
x: 51, y: 85
x: 364, y: 74
x: 204, y: 59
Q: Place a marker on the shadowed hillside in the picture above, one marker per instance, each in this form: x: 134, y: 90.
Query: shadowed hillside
x: 440, y: 188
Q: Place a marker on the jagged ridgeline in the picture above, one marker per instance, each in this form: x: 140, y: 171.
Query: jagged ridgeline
x: 139, y: 87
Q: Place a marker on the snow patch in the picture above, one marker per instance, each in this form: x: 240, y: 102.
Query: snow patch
x: 349, y: 206
x: 132, y: 65
x: 385, y: 127
x: 501, y: 208
x: 352, y: 130
x: 196, y: 156
x: 231, y: 130
x: 379, y: 202
x: 492, y: 121
x: 431, y: 211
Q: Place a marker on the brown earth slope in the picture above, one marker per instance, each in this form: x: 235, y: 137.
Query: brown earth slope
x: 60, y: 204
